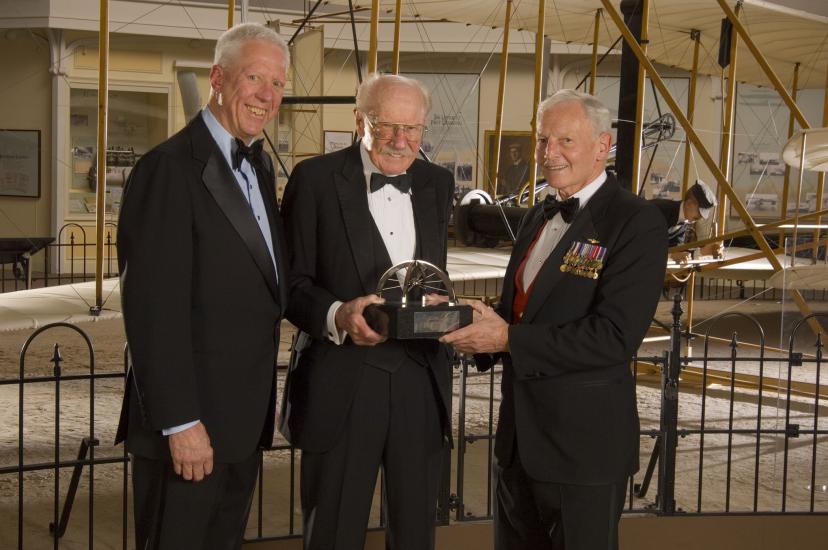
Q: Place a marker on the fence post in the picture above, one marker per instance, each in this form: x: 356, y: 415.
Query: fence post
x: 669, y: 416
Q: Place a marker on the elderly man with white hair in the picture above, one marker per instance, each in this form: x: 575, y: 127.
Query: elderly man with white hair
x: 356, y: 401
x: 579, y: 292
x: 204, y: 286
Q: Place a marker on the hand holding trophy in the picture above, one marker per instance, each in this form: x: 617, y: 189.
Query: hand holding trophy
x: 411, y: 309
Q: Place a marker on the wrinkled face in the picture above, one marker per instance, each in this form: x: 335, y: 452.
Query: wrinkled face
x: 251, y: 87
x: 393, y: 150
x: 569, y: 155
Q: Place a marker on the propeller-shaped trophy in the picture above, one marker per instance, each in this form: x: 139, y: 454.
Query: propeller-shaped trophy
x: 409, y: 316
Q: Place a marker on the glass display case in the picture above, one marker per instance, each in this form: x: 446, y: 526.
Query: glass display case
x: 137, y: 122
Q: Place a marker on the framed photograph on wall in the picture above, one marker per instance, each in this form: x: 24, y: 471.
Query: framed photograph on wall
x: 515, y: 156
x: 20, y: 163
x: 336, y: 140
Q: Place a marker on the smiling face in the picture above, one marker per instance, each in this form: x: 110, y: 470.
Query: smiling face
x: 251, y: 87
x: 568, y: 152
x: 398, y: 104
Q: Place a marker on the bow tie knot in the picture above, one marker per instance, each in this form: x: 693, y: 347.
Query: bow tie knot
x: 567, y: 208
x: 242, y: 151
x: 401, y: 182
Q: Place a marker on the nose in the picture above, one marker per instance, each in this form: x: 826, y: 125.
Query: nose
x: 398, y: 138
x: 265, y: 92
x: 543, y: 152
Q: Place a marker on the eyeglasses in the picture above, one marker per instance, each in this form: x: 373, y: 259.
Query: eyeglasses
x: 387, y: 130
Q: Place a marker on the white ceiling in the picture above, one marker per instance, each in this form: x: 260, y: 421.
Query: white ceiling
x: 817, y: 7
x: 785, y: 37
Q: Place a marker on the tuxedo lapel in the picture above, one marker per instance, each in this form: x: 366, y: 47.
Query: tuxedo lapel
x: 267, y: 186
x: 582, y: 229
x: 359, y: 224
x: 424, y: 205
x: 221, y: 184
x: 526, y: 234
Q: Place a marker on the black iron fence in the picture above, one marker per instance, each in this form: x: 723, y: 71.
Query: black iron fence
x: 735, y: 429
x: 714, y: 288
x: 68, y: 259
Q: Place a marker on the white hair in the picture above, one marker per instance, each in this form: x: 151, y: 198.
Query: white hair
x: 368, y: 96
x: 597, y: 113
x: 232, y: 40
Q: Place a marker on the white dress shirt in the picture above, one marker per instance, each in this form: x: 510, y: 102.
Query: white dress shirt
x: 394, y: 218
x: 553, y: 231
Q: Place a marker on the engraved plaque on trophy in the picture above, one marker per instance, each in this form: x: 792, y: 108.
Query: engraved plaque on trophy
x: 411, y: 317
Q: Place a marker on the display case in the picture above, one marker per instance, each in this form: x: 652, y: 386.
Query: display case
x: 138, y: 120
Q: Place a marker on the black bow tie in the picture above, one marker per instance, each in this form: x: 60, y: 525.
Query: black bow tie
x: 251, y: 153
x: 567, y: 208
x: 401, y: 182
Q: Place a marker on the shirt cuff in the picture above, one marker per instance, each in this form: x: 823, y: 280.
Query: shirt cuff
x: 179, y: 428
x: 334, y: 335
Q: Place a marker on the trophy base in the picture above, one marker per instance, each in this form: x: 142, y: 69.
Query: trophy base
x: 410, y: 321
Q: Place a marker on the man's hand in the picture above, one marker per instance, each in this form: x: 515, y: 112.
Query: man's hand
x: 715, y: 250
x: 192, y: 455
x: 433, y: 299
x: 681, y: 257
x: 489, y: 334
x: 350, y: 319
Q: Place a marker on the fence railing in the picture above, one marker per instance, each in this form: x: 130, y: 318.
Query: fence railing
x: 69, y: 259
x: 733, y: 430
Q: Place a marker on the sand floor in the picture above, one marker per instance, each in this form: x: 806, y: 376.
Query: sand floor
x: 709, y: 492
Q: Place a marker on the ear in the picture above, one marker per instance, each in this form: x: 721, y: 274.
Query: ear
x: 360, y: 123
x: 604, y: 144
x: 216, y: 77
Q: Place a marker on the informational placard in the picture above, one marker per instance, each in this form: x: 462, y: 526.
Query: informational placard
x: 20, y: 163
x: 451, y: 140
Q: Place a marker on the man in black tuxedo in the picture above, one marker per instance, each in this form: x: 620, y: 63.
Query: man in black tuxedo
x: 203, y: 282
x: 579, y: 293
x: 355, y: 401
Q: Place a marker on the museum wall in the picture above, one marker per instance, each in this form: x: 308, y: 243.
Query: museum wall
x: 26, y: 105
x: 147, y: 106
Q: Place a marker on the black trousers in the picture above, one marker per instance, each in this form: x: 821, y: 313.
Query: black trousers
x: 172, y: 513
x: 537, y: 515
x: 394, y: 422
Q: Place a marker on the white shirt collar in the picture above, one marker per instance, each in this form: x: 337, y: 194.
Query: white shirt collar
x: 222, y: 137
x: 588, y: 190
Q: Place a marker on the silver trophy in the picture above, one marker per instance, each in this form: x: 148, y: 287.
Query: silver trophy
x: 411, y: 317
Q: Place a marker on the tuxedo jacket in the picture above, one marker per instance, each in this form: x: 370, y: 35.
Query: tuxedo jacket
x: 568, y: 392
x: 201, y: 299
x: 337, y: 253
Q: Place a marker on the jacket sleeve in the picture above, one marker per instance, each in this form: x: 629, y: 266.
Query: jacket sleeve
x: 309, y: 303
x: 155, y: 251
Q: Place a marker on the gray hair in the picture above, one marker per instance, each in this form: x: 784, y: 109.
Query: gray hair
x: 232, y: 40
x: 597, y: 113
x: 368, y: 93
